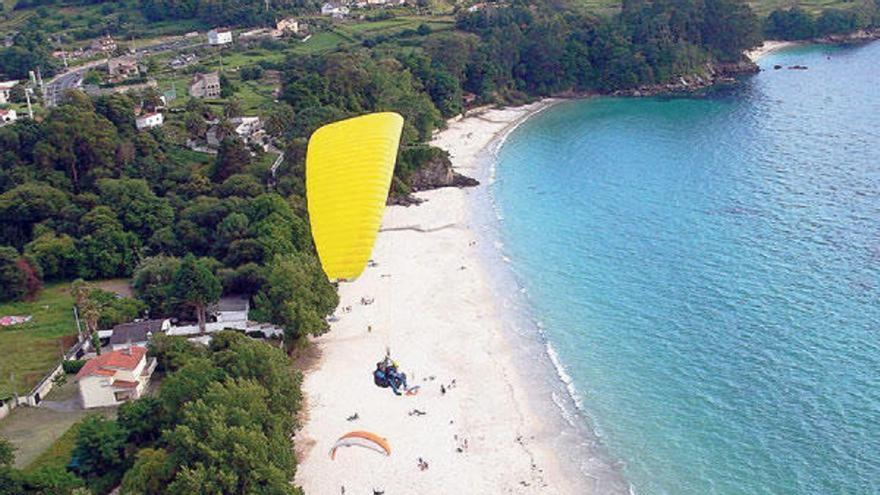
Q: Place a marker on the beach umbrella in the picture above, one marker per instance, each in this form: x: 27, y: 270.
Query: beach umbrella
x: 349, y: 165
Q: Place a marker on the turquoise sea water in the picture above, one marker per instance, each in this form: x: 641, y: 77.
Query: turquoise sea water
x: 708, y: 272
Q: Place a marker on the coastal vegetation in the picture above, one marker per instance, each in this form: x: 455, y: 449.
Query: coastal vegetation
x: 84, y: 195
x: 799, y: 24
x: 221, y: 423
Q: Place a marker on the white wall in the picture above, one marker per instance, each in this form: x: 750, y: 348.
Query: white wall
x: 97, y: 391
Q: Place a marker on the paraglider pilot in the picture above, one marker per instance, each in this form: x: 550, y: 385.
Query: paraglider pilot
x: 387, y: 375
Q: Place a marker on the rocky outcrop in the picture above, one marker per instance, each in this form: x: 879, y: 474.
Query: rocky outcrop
x: 860, y: 36
x: 712, y: 73
x: 435, y: 173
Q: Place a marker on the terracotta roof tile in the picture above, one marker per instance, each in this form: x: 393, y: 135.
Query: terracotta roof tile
x: 106, y: 364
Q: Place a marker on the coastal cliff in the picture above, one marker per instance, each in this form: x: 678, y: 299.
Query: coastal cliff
x: 434, y: 172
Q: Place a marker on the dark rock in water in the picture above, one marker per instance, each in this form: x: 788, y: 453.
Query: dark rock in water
x: 777, y: 67
x: 798, y: 67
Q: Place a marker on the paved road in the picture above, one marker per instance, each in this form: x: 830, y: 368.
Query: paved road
x: 72, y: 79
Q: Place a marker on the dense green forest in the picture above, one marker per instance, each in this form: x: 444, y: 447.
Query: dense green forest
x: 798, y: 24
x: 84, y: 195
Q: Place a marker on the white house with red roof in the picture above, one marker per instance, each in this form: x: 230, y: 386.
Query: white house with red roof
x: 115, y: 377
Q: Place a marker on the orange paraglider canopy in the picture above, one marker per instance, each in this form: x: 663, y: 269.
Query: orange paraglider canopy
x: 362, y: 439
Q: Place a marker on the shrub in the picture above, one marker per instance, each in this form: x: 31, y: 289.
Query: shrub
x: 73, y: 366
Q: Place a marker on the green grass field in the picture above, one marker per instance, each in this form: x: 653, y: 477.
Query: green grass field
x: 57, y: 454
x: 43, y: 437
x: 31, y: 349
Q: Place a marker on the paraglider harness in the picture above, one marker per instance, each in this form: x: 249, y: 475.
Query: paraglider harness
x: 386, y: 375
x: 380, y: 378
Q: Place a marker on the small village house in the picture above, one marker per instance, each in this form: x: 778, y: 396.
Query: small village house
x: 6, y: 91
x: 288, y: 25
x: 149, y: 120
x: 137, y: 333
x: 7, y: 116
x: 104, y: 44
x: 231, y: 309
x: 205, y: 85
x: 334, y: 9
x: 219, y: 36
x: 248, y: 129
x: 122, y: 67
x: 115, y: 377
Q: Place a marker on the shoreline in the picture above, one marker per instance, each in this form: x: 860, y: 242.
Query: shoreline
x: 768, y: 47
x: 437, y: 306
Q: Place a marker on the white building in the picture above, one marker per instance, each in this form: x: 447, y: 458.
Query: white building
x: 149, y: 120
x: 7, y: 116
x: 248, y: 129
x: 115, y: 377
x: 5, y: 90
x: 333, y: 9
x: 289, y: 25
x: 137, y: 333
x: 219, y: 37
x: 231, y: 308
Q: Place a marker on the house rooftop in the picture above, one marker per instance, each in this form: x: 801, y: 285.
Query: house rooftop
x: 232, y: 303
x: 137, y: 331
x: 209, y: 78
x: 108, y: 363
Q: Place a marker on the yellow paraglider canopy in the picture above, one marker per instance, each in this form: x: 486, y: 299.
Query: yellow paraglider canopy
x: 349, y: 165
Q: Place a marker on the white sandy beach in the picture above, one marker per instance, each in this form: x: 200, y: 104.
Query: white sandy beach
x: 768, y: 47
x: 435, y: 309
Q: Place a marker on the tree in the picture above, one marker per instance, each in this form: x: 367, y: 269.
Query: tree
x: 88, y: 309
x: 297, y: 296
x: 791, y: 24
x: 187, y: 384
x: 26, y: 205
x: 150, y: 473
x: 7, y: 452
x: 56, y: 255
x: 227, y: 89
x: 233, y: 109
x: 79, y: 142
x: 195, y: 124
x: 107, y: 250
x: 152, y: 282
x: 53, y: 480
x: 13, y: 280
x: 173, y: 352
x: 232, y: 158
x: 99, y: 448
x: 136, y: 206
x: 229, y: 442
x: 195, y: 285
x: 142, y: 419
x: 33, y: 282
x: 242, y: 185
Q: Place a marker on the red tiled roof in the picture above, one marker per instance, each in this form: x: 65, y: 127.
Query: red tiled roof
x: 106, y: 364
